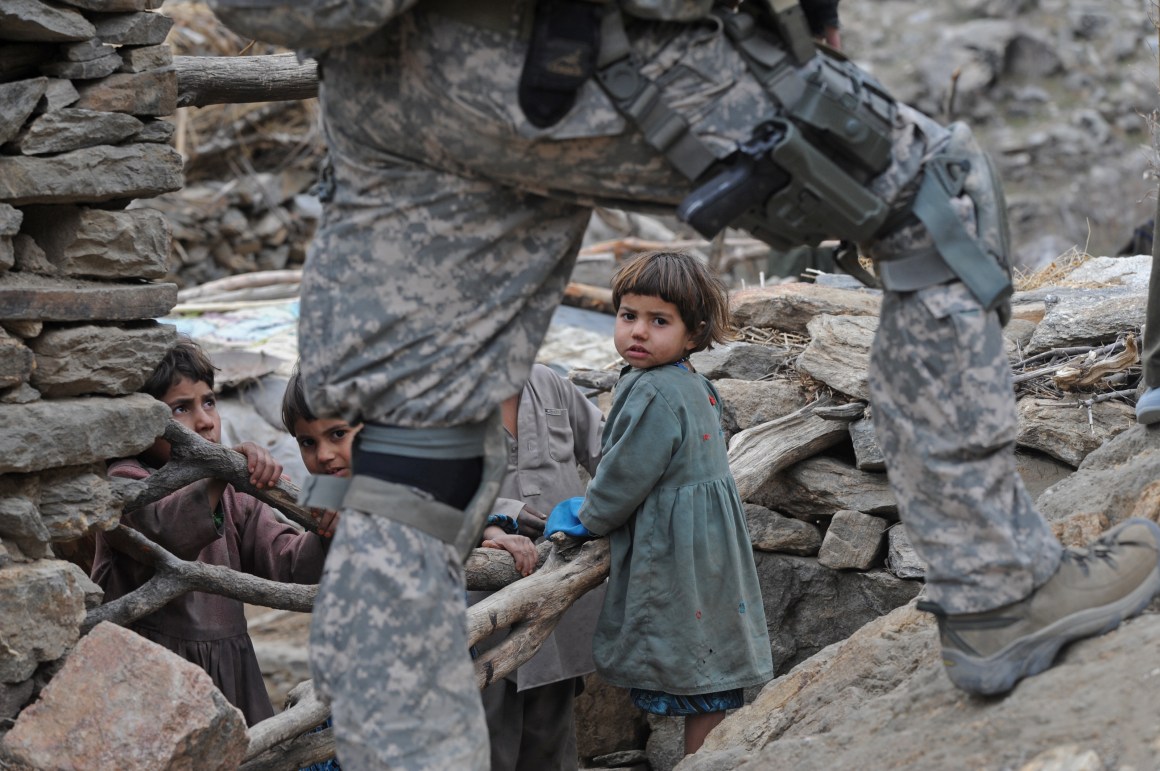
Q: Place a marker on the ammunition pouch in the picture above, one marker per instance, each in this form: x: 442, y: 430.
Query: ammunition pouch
x: 561, y: 58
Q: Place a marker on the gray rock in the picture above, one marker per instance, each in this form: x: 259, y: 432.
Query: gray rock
x: 35, y: 21
x: 72, y: 129
x: 16, y: 361
x: 57, y: 94
x: 160, y: 131
x: 143, y: 58
x: 1088, y: 317
x: 113, y: 361
x: 42, y: 605
x: 853, y: 540
x: 37, y: 298
x: 773, y: 532
x: 17, y: 101
x: 19, y: 509
x: 816, y: 488
x: 1039, y: 471
x: 808, y: 606
x: 1064, y: 432
x: 839, y: 353
x: 1116, y: 480
x: 901, y: 558
x: 86, y: 50
x: 13, y: 696
x: 92, y: 174
x: 93, y: 243
x: 791, y: 307
x: 151, y: 93
x: 867, y: 452
x: 747, y: 403
x: 44, y: 435
x: 73, y: 500
x: 113, y: 6
x: 84, y: 70
x: 739, y: 361
x: 883, y: 694
x: 133, y: 29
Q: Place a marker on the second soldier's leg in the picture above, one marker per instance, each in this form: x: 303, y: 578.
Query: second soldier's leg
x: 1006, y: 596
x: 945, y: 414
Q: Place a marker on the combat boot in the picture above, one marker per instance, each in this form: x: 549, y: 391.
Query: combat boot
x: 1148, y: 407
x: 1093, y: 590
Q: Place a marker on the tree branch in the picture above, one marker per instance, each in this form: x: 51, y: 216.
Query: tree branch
x: 486, y: 570
x: 192, y: 459
x: 174, y: 577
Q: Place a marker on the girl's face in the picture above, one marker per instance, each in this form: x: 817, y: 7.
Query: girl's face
x: 650, y: 332
x: 325, y: 445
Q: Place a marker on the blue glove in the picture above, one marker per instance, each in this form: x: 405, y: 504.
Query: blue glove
x: 563, y: 519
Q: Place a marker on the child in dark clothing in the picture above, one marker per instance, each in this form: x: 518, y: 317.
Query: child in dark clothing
x: 683, y: 624
x: 325, y: 445
x: 211, y: 522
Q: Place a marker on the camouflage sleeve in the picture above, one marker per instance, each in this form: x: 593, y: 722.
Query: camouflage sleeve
x: 314, y: 25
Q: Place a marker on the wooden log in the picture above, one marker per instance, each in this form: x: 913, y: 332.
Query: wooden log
x: 203, y: 80
x: 282, y: 729
x: 757, y: 453
x: 593, y: 298
x: 532, y: 606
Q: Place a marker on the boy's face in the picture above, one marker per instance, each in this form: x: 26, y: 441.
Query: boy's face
x: 194, y: 405
x: 325, y: 445
x: 649, y: 332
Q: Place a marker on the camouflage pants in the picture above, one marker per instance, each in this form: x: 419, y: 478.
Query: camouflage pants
x: 945, y: 415
x: 388, y: 651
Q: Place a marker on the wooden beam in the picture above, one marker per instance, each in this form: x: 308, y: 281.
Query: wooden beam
x: 203, y: 80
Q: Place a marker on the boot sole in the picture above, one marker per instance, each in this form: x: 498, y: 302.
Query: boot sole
x: 1031, y: 655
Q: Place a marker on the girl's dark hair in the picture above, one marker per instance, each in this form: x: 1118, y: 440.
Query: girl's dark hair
x: 687, y: 283
x: 184, y: 359
x: 294, y: 406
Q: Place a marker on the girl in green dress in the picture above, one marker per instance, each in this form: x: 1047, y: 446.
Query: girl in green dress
x: 682, y: 625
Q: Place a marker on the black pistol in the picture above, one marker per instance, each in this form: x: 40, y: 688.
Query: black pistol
x: 747, y: 178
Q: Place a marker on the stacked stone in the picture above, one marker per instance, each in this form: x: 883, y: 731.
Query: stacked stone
x: 83, y: 84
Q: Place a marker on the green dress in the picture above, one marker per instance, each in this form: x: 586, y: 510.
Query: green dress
x: 683, y: 610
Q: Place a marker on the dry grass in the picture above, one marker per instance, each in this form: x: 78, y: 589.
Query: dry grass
x: 1053, y: 273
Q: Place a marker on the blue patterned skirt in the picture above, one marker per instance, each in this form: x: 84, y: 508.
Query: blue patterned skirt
x: 671, y: 704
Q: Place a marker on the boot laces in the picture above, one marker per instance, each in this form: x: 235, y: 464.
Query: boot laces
x: 1084, y: 557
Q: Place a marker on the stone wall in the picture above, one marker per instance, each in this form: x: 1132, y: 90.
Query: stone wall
x: 83, y: 87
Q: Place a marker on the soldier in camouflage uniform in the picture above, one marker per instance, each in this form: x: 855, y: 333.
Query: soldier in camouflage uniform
x: 447, y: 240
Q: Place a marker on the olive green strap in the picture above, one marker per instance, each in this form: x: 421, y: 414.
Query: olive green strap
x: 943, y: 180
x: 639, y: 99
